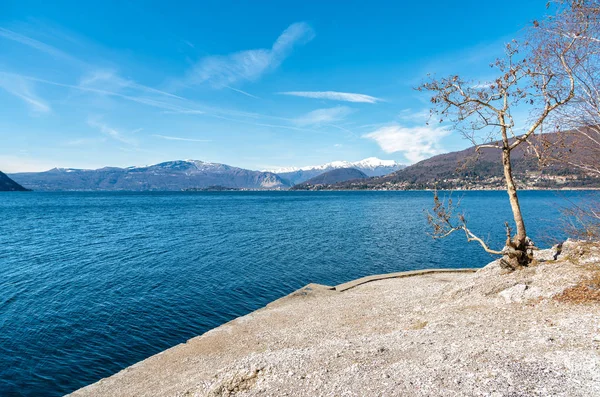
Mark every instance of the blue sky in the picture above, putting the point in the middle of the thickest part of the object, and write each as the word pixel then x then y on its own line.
pixel 255 84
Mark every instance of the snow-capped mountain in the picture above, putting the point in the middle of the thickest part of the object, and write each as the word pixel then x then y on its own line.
pixel 371 166
pixel 168 176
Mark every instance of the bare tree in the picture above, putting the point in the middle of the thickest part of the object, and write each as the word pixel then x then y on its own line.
pixel 578 124
pixel 539 74
pixel 582 220
pixel 579 121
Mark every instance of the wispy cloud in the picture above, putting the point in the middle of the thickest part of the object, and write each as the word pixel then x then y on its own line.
pixel 335 96
pixel 242 92
pixel 162 100
pixel 183 112
pixel 36 44
pixel 324 116
pixel 24 90
pixel 339 127
pixel 176 138
pixel 110 81
pixel 223 70
pixel 474 58
pixel 168 103
pixel 415 144
pixel 99 81
pixel 481 85
pixel 415 116
pixel 111 132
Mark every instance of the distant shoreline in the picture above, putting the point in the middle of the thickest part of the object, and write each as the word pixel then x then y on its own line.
pixel 444 190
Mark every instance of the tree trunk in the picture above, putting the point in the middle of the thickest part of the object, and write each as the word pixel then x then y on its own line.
pixel 517 248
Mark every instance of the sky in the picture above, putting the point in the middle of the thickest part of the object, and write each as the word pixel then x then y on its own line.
pixel 254 84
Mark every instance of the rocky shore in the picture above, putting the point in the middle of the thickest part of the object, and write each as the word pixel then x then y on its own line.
pixel 532 332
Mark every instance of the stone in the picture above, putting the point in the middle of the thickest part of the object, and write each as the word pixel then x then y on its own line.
pixel 516 293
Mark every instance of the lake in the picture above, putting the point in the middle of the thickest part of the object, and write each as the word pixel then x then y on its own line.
pixel 94 282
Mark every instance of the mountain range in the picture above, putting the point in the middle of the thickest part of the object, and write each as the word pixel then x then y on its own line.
pixel 455 170
pixel 168 176
pixel 467 169
pixel 8 185
pixel 371 166
pixel 185 175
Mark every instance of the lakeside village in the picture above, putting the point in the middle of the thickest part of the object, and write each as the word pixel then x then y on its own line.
pixel 530 180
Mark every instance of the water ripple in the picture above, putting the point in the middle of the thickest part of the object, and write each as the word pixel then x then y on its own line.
pixel 94 282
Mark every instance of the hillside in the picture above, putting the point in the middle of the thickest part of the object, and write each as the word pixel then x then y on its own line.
pixel 168 176
pixel 331 177
pixel 467 170
pixel 8 185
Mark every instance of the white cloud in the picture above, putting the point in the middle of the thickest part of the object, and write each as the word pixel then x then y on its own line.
pixel 335 96
pixel 38 45
pixel 324 116
pixel 176 138
pixel 249 65
pixel 23 89
pixel 416 144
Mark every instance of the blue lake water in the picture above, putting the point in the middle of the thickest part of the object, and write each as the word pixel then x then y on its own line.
pixel 93 282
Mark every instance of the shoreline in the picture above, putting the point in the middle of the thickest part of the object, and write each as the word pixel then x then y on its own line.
pixel 431 332
pixel 310 289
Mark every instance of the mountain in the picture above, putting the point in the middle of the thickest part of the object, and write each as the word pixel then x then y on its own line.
pixel 168 176
pixel 331 177
pixel 467 170
pixel 8 185
pixel 371 166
